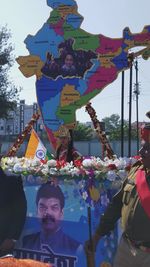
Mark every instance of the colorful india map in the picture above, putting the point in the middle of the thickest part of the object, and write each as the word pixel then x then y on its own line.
pixel 71 65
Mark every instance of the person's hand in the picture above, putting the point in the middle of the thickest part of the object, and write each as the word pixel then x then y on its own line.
pixel 7 245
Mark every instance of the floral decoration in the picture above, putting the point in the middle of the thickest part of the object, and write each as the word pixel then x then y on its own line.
pixel 89 167
pixel 92 176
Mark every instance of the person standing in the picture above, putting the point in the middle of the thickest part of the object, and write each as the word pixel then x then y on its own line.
pixel 132 205
pixel 65 150
pixel 13 208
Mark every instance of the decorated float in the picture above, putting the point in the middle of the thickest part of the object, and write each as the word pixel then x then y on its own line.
pixel 71 67
pixel 87 184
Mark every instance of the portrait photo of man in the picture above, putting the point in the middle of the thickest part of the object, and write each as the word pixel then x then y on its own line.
pixel 50 203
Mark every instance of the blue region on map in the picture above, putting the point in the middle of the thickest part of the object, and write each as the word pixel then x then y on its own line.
pixel 49 108
pixel 48 93
pixel 121 61
pixel 82 86
pixel 83 83
pixel 55 4
pixel 147 28
pixel 93 69
pixel 127 35
pixel 74 20
pixel 124 45
pixel 46 40
pixel 47 88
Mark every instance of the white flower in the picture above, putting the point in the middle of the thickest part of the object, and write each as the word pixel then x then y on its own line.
pixel 35 162
pixel 51 163
pixel 75 172
pixel 99 164
pixel 87 163
pixel 120 163
pixel 45 170
pixel 53 171
pixel 11 161
pixel 17 168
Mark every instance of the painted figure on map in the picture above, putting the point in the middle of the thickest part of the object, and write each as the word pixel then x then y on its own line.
pixel 69 63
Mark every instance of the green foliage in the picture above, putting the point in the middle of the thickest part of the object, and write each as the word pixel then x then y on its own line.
pixel 113 128
pixel 8 91
pixel 82 132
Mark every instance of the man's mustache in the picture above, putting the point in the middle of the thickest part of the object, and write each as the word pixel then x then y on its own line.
pixel 48 218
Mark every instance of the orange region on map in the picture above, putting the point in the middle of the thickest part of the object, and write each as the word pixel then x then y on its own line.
pixel 106 59
pixel 69 95
pixel 30 65
pixel 65 10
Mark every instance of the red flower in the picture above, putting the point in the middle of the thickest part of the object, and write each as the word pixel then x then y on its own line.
pixel 112 167
pixel 44 161
pixel 137 157
pixel 60 164
pixel 77 163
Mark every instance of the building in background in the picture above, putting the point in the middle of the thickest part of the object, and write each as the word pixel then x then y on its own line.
pixel 19 118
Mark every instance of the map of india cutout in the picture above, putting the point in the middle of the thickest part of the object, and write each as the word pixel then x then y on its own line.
pixel 72 66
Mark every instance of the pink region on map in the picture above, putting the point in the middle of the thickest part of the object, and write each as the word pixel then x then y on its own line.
pixel 51 137
pixel 142 37
pixel 58 27
pixel 108 45
pixel 101 78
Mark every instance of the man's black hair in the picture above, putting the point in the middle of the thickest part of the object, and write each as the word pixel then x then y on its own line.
pixel 49 190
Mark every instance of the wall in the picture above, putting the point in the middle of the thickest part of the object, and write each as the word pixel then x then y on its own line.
pixel 85 148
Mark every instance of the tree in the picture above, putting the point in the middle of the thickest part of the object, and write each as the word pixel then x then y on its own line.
pixel 8 91
pixel 82 132
pixel 113 128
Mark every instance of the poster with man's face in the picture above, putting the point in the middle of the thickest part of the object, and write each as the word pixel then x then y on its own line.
pixel 57 226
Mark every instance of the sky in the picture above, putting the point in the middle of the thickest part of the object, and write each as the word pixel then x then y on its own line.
pixel 100 16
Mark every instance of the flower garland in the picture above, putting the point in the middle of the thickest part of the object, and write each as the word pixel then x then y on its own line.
pixel 89 167
pixel 91 177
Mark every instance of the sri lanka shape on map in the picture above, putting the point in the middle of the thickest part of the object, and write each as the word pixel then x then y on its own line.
pixel 71 65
